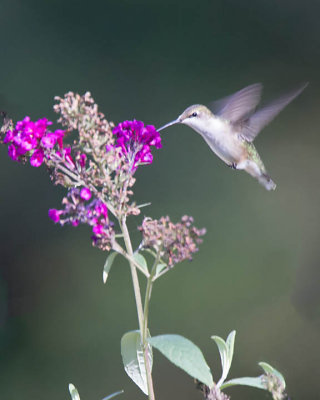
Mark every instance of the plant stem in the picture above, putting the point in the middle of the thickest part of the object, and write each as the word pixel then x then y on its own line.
pixel 137 294
pixel 148 295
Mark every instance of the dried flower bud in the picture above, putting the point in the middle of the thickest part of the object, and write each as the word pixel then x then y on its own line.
pixel 175 242
pixel 274 385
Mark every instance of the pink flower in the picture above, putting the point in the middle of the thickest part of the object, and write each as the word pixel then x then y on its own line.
pixel 37 158
pixel 85 194
pixel 67 155
pixel 49 140
pixel 12 152
pixel 9 136
pixel 82 160
pixel 54 214
pixel 97 229
pixel 28 135
pixel 135 140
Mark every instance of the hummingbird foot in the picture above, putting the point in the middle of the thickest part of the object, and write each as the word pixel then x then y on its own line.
pixel 232 165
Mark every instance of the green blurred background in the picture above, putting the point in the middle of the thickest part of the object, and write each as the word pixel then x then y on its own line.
pixel 258 268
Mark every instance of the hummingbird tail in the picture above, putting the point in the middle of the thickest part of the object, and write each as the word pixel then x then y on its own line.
pixel 267 182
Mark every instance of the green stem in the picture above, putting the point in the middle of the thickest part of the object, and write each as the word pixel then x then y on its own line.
pixel 148 295
pixel 146 307
pixel 137 294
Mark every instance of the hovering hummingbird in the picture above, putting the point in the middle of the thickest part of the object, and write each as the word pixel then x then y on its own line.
pixel 231 124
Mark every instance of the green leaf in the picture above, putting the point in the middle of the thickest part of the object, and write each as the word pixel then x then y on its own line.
pixel 226 354
pixel 184 354
pixel 159 269
pixel 246 381
pixel 230 344
pixel 73 392
pixel 269 369
pixel 108 265
pixel 113 395
pixel 141 261
pixel 133 360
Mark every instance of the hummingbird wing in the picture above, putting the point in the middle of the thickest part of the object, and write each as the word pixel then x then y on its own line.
pixel 238 105
pixel 257 121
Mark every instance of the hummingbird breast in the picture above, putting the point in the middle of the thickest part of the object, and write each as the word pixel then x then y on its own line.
pixel 222 140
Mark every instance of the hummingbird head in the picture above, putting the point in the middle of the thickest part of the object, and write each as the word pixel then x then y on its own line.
pixel 193 116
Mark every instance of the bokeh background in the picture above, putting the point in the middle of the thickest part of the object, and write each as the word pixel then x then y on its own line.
pixel 258 268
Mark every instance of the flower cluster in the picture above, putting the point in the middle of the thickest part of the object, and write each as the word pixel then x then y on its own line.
pixel 135 139
pixel 175 242
pixel 80 209
pixel 274 385
pixel 32 139
pixel 102 160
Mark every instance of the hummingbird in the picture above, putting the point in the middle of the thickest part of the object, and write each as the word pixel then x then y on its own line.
pixel 230 125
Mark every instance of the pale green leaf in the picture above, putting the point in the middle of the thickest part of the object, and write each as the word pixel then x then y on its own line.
pixel 269 369
pixel 108 265
pixel 223 351
pixel 159 269
pixel 113 395
pixel 226 354
pixel 230 344
pixel 73 392
pixel 141 261
pixel 133 360
pixel 246 381
pixel 184 354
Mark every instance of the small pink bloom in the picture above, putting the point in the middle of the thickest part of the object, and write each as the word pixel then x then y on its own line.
pixel 97 229
pixel 12 152
pixel 59 134
pixel 9 136
pixel 37 158
pixel 68 158
pixel 28 143
pixel 82 160
pixel 49 140
pixel 101 209
pixel 54 214
pixel 85 194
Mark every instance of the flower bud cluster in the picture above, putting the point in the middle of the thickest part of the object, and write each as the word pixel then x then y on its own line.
pixel 274 385
pixel 135 140
pixel 79 208
pixel 33 140
pixel 98 167
pixel 174 242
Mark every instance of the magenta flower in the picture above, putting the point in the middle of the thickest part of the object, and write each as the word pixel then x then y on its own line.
pixel 85 194
pixel 95 214
pixel 37 158
pixel 32 139
pixel 12 152
pixel 82 160
pixel 135 141
pixel 54 214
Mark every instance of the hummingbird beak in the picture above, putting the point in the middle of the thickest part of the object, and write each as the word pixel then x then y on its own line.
pixel 176 121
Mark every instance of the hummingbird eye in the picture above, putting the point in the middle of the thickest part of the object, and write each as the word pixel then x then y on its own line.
pixel 194 114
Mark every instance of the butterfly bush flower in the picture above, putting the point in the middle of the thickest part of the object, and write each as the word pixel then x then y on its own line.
pixel 174 242
pixel 135 141
pixel 33 140
pixel 78 209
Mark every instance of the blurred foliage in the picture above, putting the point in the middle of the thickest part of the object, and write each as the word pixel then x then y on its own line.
pixel 258 268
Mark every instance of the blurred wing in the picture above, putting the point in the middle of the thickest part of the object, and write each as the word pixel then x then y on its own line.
pixel 239 104
pixel 256 122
